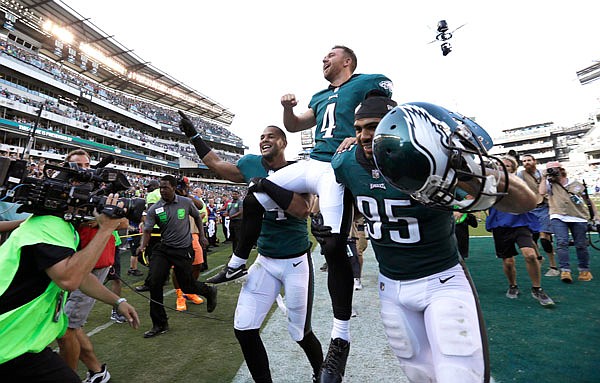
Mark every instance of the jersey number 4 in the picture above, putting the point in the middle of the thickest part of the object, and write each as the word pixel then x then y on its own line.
pixel 328 121
pixel 369 208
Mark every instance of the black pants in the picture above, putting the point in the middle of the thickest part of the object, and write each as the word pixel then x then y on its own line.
pixel 235 228
pixel 154 241
pixel 163 257
pixel 44 366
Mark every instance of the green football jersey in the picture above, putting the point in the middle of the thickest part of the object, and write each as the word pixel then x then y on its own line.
pixel 281 235
pixel 334 111
pixel 409 240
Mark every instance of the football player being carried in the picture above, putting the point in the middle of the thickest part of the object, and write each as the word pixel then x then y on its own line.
pixel 402 175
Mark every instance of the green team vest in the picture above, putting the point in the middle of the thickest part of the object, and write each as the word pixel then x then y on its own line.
pixel 281 235
pixel 31 327
pixel 205 211
pixel 409 240
pixel 334 111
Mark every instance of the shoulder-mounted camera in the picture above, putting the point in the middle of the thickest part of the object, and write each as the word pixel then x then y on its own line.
pixel 68 191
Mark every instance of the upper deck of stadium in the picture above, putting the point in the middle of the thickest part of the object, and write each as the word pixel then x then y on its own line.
pixel 85 79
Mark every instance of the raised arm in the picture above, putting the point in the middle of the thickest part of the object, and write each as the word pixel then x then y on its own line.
pixel 518 199
pixel 224 169
pixel 291 121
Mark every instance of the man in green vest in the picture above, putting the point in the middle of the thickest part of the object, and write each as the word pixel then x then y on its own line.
pixel 39 263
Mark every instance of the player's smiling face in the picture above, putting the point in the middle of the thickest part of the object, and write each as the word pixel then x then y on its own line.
pixel 333 63
pixel 271 143
pixel 365 130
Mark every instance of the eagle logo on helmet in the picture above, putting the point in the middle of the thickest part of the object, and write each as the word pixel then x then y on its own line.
pixel 422 150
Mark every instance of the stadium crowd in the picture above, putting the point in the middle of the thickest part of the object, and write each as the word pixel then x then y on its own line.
pixel 112 129
pixel 154 112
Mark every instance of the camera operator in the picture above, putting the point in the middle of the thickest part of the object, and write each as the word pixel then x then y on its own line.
pixel 38 262
pixel 568 211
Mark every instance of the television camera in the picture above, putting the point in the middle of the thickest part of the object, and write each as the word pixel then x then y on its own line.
pixel 68 191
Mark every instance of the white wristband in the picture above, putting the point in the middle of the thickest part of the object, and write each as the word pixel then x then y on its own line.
pixel 118 302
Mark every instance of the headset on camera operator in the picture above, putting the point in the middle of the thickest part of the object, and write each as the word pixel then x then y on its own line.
pixel 568 212
pixel 39 263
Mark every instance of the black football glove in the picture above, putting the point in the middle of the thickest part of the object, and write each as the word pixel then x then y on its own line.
pixel 186 125
pixel 256 185
pixel 318 229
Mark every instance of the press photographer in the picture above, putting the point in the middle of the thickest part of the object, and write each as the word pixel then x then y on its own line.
pixel 568 211
pixel 39 263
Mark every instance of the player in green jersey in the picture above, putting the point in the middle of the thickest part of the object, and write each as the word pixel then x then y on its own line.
pixel 331 110
pixel 283 261
pixel 428 307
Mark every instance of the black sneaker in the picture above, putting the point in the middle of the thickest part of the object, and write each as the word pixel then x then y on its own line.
pixel 134 272
pixel 156 330
pixel 334 365
pixel 228 274
pixel 512 292
pixel 542 297
pixel 142 288
pixel 97 377
pixel 116 317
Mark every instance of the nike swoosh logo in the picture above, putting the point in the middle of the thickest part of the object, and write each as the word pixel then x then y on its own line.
pixel 296 264
pixel 229 275
pixel 447 279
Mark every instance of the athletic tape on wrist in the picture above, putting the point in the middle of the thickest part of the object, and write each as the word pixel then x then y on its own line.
pixel 201 148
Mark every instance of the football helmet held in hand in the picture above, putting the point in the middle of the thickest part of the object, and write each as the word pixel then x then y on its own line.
pixel 424 150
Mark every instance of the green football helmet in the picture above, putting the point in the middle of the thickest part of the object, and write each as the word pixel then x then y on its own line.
pixel 424 150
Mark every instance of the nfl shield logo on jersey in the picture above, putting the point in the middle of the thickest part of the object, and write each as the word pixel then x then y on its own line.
pixel 381 286
pixel 375 173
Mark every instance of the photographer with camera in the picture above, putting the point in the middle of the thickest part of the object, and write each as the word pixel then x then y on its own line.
pixel 39 262
pixel 75 345
pixel 568 211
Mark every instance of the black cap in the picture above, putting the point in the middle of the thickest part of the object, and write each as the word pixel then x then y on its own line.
pixel 374 107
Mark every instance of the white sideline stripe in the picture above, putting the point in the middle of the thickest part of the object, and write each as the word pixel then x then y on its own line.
pixel 100 328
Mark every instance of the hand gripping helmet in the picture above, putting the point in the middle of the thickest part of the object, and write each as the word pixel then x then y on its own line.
pixel 424 150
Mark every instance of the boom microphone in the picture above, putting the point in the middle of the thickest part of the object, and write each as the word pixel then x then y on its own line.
pixel 105 161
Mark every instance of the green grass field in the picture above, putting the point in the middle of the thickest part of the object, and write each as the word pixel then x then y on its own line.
pixel 528 343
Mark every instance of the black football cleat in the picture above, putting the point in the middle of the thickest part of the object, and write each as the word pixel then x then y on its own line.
pixel 228 274
pixel 334 365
